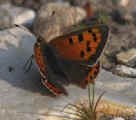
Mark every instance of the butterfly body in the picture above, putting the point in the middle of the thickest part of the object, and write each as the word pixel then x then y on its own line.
pixel 73 56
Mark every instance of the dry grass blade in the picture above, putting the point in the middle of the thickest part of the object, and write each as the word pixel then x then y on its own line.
pixel 78 111
pixel 98 100
pixel 93 98
pixel 77 114
pixel 71 105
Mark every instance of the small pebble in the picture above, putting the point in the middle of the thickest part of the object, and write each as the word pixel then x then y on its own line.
pixel 124 71
pixel 128 58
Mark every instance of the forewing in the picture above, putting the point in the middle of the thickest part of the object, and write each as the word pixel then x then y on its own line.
pixel 84 45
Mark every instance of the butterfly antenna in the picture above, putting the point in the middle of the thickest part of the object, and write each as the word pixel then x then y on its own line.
pixel 28 64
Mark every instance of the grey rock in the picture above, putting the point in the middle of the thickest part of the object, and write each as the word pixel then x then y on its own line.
pixel 129 5
pixel 77 2
pixel 128 57
pixel 119 40
pixel 24 16
pixel 133 117
pixel 125 71
pixel 5 17
pixel 33 4
pixel 124 3
pixel 4 1
pixel 11 15
pixel 107 63
pixel 54 18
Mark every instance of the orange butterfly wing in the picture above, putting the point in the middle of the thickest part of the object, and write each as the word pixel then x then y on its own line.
pixel 39 59
pixel 84 45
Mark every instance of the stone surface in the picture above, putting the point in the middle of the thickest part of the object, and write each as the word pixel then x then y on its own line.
pixel 54 18
pixel 77 2
pixel 33 4
pixel 124 3
pixel 125 71
pixel 107 63
pixel 26 17
pixel 27 3
pixel 10 15
pixel 119 40
pixel 4 1
pixel 128 57
pixel 5 17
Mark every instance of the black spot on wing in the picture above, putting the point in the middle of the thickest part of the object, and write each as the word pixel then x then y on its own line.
pixel 93 34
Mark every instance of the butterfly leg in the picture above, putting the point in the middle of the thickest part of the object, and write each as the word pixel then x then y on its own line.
pixel 92 74
pixel 28 64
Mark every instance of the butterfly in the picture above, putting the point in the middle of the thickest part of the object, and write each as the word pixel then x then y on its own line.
pixel 77 51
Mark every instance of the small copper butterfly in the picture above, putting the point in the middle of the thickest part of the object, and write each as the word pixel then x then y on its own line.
pixel 79 50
